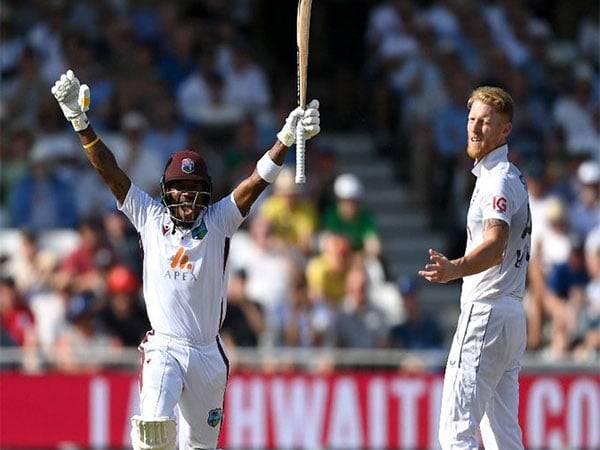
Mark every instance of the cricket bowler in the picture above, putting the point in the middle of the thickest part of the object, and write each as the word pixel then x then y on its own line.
pixel 481 386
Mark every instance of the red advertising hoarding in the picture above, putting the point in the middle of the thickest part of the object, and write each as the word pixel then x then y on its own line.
pixel 340 410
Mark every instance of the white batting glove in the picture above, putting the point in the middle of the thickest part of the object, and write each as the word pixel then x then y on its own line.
pixel 73 98
pixel 309 119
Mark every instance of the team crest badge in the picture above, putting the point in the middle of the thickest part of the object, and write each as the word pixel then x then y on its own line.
pixel 187 165
pixel 200 231
pixel 214 417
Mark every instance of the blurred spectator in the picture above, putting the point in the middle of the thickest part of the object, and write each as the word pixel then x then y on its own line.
pixel 40 199
pixel 81 347
pixel 15 147
pixel 244 322
pixel 123 240
pixel 93 197
pixel 165 135
pixel 589 339
pixel 538 203
pixel 123 316
pixel 555 245
pixel 574 113
pixel 177 61
pixel 326 273
pixel 141 163
pixel 359 324
pixel 589 36
pixel 201 98
pixel 31 267
pixel 82 269
pixel 245 82
pixel 241 155
pixel 17 324
pixel 12 43
pixel 21 95
pixel 294 219
pixel 592 252
pixel 537 185
pixel 16 318
pixel 528 134
pixel 49 309
pixel 416 332
pixel 503 18
pixel 551 246
pixel 46 37
pixel 303 321
pixel 349 218
pixel 566 299
pixel 262 254
pixel 450 144
pixel 585 213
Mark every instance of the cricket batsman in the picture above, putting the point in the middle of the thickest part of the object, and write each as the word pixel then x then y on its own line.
pixel 186 243
pixel 481 386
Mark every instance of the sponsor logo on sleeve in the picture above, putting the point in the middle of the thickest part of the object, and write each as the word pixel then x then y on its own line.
pixel 499 204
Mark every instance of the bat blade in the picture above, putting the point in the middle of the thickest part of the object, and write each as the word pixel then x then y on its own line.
pixel 302 34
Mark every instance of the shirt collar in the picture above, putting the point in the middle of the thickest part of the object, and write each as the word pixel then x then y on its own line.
pixel 499 154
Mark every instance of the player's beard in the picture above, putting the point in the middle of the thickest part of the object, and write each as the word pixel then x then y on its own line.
pixel 478 149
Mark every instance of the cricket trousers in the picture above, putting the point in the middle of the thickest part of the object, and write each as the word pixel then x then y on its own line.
pixel 481 384
pixel 177 372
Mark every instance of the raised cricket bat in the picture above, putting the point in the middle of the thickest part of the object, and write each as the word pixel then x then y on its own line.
pixel 302 32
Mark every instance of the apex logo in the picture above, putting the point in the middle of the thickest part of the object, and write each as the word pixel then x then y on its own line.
pixel 182 268
pixel 181 259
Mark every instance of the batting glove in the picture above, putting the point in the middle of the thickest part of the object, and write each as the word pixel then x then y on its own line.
pixel 73 98
pixel 309 119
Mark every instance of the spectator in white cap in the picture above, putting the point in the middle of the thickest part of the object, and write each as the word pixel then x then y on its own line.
pixel 585 213
pixel 294 218
pixel 349 218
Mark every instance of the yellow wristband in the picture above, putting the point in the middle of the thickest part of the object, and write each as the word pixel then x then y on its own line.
pixel 91 144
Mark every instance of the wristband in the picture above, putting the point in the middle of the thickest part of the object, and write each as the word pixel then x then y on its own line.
pixel 80 122
pixel 267 169
pixel 91 144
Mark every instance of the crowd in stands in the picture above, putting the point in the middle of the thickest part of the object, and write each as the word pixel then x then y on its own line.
pixel 306 268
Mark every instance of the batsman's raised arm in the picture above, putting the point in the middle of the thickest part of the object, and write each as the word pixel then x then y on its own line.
pixel 268 167
pixel 74 100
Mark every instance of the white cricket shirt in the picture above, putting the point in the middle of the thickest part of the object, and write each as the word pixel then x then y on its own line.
pixel 500 193
pixel 185 273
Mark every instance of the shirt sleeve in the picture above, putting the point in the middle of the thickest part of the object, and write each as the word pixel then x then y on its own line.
pixel 138 206
pixel 225 215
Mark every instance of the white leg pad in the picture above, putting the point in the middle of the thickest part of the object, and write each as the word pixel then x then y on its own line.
pixel 153 434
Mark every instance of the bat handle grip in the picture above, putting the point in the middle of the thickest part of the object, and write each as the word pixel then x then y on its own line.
pixel 300 152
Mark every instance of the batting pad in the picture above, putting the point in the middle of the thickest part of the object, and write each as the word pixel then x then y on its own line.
pixel 154 434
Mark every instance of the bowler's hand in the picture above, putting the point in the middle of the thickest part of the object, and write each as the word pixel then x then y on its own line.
pixel 440 270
